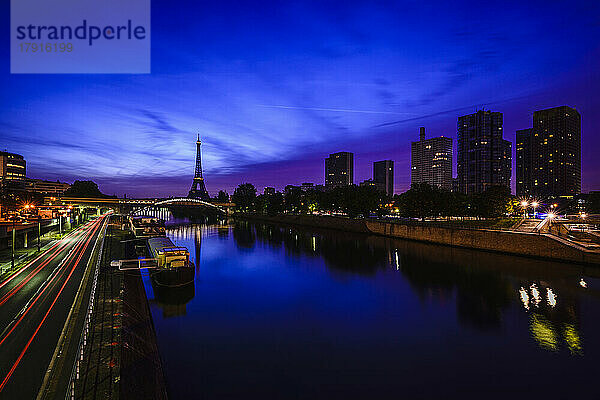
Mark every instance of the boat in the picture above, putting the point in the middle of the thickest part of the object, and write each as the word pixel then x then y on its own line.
pixel 146 226
pixel 173 266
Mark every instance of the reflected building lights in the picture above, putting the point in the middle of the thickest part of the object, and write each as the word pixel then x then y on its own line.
pixel 534 297
pixel 535 293
pixel 552 326
pixel 548 329
pixel 550 298
pixel 572 339
pixel 543 332
pixel 524 297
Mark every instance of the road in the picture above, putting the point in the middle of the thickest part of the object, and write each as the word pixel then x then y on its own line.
pixel 34 304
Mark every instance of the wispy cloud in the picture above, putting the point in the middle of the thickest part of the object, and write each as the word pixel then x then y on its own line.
pixel 263 88
pixel 342 110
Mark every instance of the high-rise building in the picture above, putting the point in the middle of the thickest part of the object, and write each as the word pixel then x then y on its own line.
pixel 383 176
pixel 431 161
pixel 12 166
pixel 339 169
pixel 484 157
pixel 523 163
pixel 549 154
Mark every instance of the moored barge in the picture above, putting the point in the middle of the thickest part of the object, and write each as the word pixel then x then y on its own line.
pixel 173 267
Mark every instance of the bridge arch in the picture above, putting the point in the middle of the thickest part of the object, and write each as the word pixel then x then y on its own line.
pixel 184 201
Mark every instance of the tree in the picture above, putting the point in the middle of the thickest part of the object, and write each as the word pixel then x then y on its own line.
pixel 460 205
pixel 495 201
pixel 275 204
pixel 84 189
pixel 261 203
pixel 293 199
pixel 593 202
pixel 420 201
pixel 270 204
pixel 222 197
pixel 244 197
pixel 361 200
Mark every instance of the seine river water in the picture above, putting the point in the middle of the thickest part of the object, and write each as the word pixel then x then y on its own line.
pixel 289 313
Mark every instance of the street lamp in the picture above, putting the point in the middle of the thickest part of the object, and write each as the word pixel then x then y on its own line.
pixel 534 205
pixel 551 216
pixel 39 231
pixel 14 237
pixel 524 204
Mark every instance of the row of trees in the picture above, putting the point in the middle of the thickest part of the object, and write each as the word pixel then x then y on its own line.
pixel 85 189
pixel 352 200
pixel 421 201
pixel 424 200
pixel 593 202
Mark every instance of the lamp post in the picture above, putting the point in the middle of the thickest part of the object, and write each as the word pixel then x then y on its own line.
pixel 524 204
pixel 551 216
pixel 14 237
pixel 39 231
pixel 534 205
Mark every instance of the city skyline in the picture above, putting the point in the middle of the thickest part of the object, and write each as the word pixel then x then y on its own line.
pixel 549 154
pixel 363 82
pixel 299 199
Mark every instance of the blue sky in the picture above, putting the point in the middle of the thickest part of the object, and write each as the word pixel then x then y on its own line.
pixel 272 88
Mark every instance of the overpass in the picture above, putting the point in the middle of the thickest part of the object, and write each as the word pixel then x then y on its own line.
pixel 181 204
pixel 126 206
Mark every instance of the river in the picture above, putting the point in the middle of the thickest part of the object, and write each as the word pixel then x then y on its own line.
pixel 279 312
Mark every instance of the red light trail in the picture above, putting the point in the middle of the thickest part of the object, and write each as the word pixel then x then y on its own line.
pixel 61 243
pixel 33 273
pixel 71 262
pixel 49 285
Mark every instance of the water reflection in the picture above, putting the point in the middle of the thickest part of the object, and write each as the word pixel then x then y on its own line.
pixel 173 300
pixel 481 284
pixel 543 332
pixel 549 334
pixel 330 306
pixel 344 252
pixel 550 297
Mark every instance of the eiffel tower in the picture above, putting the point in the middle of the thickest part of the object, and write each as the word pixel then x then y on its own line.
pixel 198 190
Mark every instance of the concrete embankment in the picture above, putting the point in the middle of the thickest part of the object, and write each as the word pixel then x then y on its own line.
pixel 518 243
pixel 119 355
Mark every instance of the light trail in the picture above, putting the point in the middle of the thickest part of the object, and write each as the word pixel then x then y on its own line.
pixel 23 269
pixel 33 273
pixel 63 243
pixel 16 364
pixel 59 272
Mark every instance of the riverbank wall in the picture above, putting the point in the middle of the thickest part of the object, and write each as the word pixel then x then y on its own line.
pixel 508 242
pixel 119 355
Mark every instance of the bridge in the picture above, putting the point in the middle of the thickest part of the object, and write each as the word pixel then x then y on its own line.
pixel 137 206
pixel 180 204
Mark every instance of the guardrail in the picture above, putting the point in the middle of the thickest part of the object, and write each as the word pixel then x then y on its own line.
pixel 84 332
